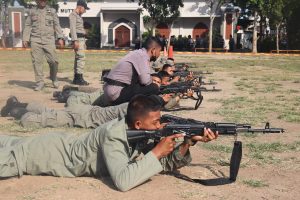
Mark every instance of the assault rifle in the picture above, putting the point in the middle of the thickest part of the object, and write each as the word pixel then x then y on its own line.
pixel 185 73
pixel 198 97
pixel 178 88
pixel 190 128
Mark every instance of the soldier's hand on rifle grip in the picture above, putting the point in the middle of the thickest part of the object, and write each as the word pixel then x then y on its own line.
pixel 165 146
pixel 207 136
pixel 75 45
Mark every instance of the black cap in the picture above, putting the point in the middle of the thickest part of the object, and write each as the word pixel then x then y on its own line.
pixel 83 4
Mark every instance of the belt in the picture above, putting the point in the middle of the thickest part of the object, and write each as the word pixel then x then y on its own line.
pixel 114 82
pixel 80 35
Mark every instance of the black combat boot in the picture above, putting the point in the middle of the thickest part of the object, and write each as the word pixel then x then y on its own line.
pixel 12 102
pixel 83 81
pixel 78 80
pixel 18 112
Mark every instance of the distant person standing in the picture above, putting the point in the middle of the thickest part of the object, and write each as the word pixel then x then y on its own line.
pixel 78 35
pixel 40 28
pixel 231 44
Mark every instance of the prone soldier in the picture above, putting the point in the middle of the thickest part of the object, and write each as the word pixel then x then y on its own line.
pixel 105 151
pixel 75 115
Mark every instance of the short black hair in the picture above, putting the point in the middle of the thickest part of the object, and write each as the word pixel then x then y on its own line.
pixel 163 74
pixel 156 75
pixel 152 42
pixel 165 66
pixel 140 106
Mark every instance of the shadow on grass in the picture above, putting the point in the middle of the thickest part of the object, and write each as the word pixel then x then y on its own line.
pixel 26 84
pixel 65 79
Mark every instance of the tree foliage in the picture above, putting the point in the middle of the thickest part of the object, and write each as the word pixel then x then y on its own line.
pixel 160 11
pixel 214 8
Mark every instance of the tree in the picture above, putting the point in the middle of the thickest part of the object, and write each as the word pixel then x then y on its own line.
pixel 161 11
pixel 292 16
pixel 275 12
pixel 256 6
pixel 214 8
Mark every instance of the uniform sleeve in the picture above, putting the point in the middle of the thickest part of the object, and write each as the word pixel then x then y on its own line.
pixel 145 75
pixel 72 21
pixel 175 160
pixel 27 28
pixel 124 173
pixel 57 28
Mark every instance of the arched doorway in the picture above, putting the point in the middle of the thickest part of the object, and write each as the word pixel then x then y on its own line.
pixel 228 26
pixel 122 36
pixel 200 29
pixel 163 30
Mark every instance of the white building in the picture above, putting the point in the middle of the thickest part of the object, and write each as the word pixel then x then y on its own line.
pixel 120 22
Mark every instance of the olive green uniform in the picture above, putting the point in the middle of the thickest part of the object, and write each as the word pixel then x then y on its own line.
pixel 41 26
pixel 77 34
pixel 105 151
pixel 77 115
pixel 85 98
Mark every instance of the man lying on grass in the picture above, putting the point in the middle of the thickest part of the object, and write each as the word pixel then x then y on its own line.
pixel 104 151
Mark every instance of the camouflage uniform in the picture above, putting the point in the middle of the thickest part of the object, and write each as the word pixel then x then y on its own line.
pixel 40 28
pixel 103 152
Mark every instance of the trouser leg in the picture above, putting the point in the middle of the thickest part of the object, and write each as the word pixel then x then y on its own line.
pixel 37 55
pixel 7 140
pixel 128 92
pixel 79 62
pixel 8 163
pixel 52 60
pixel 76 98
pixel 41 116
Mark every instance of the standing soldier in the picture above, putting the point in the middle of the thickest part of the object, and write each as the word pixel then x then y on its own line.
pixel 40 28
pixel 78 38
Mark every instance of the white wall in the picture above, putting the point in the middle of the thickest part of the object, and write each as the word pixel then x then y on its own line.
pixel 109 17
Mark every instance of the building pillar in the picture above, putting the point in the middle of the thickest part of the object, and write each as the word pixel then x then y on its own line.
pixel 101 29
pixel 141 29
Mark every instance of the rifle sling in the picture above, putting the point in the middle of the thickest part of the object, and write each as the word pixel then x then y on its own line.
pixel 235 161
